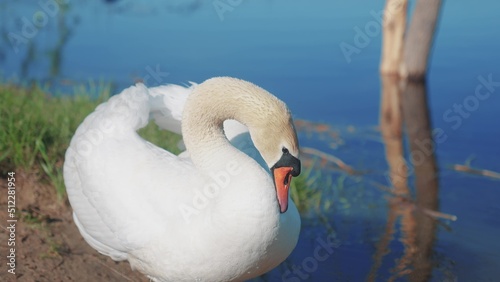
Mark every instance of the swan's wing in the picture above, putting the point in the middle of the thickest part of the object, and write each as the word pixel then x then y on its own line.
pixel 104 175
pixel 167 103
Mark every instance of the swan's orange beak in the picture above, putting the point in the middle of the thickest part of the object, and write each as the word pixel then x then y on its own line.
pixel 282 180
pixel 282 172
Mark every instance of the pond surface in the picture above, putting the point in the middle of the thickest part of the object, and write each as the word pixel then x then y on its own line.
pixel 361 230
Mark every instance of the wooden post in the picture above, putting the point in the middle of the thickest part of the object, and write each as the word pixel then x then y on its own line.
pixel 407 57
pixel 394 25
pixel 418 41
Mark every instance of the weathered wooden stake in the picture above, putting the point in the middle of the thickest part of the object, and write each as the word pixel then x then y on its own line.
pixel 394 25
pixel 418 41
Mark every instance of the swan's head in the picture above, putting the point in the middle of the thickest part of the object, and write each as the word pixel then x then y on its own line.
pixel 276 139
pixel 287 166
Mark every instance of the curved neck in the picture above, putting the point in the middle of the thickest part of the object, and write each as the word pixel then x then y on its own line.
pixel 210 104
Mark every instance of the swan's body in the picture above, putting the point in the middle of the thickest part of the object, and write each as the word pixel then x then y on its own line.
pixel 210 214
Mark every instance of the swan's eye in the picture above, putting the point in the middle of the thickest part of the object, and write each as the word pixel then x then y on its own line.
pixel 284 150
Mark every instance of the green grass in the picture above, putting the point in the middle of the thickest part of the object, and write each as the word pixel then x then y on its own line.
pixel 36 128
pixel 312 191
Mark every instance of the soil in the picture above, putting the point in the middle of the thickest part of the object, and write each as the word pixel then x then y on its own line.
pixel 48 246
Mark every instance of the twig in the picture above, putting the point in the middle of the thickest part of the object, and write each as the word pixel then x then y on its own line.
pixel 436 214
pixel 328 157
pixel 483 172
pixel 431 213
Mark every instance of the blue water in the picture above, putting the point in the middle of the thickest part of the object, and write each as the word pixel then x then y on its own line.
pixel 292 49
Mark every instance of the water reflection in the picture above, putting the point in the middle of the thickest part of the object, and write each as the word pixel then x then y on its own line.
pixel 417 121
pixel 37 57
pixel 404 104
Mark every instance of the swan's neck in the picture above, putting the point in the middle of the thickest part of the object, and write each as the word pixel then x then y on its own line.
pixel 205 141
pixel 210 104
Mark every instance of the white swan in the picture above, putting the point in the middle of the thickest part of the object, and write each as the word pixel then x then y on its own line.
pixel 210 214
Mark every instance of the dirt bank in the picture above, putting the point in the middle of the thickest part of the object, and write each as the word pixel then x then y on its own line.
pixel 48 246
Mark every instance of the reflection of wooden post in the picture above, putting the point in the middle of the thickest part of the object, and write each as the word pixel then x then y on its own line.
pixel 391 123
pixel 394 25
pixel 419 39
pixel 408 58
pixel 418 127
pixel 403 100
pixel 383 244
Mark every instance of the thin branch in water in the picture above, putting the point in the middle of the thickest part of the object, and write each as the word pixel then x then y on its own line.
pixel 406 199
pixel 321 129
pixel 482 172
pixel 329 158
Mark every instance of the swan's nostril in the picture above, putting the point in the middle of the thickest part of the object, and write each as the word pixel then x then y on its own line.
pixel 287 179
